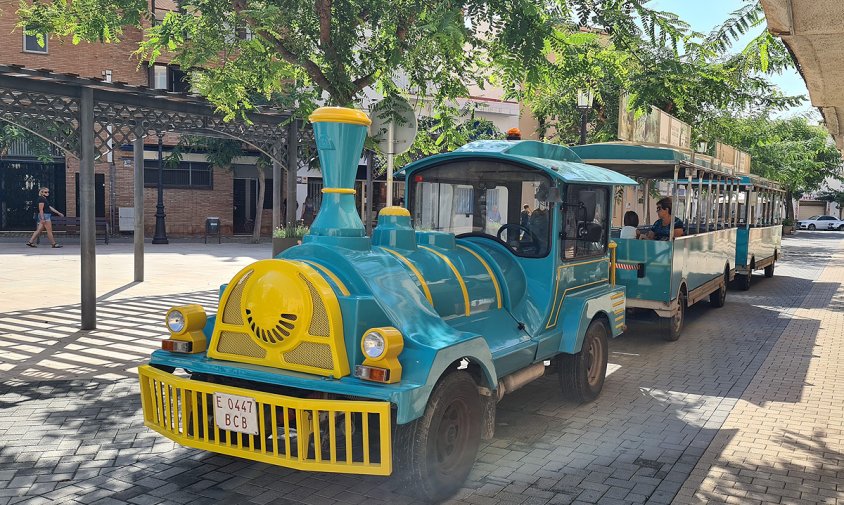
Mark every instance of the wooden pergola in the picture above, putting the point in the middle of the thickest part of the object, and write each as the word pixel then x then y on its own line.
pixel 87 118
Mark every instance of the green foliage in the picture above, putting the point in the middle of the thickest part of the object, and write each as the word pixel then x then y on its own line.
pixel 219 152
pixel 799 155
pixel 788 222
pixel 10 134
pixel 250 50
pixel 297 231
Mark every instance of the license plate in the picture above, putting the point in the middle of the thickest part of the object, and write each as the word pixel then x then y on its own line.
pixel 236 413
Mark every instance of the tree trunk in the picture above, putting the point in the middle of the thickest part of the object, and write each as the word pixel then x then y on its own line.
pixel 789 205
pixel 259 202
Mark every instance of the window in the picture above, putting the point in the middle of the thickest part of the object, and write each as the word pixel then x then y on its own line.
pixel 187 174
pixel 585 223
pixel 488 199
pixel 169 78
pixel 31 43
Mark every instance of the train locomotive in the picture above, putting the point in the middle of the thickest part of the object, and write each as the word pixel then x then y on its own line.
pixel 388 353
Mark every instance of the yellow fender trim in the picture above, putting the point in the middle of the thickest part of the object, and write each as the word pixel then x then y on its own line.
pixel 488 270
pixel 456 274
pixel 416 272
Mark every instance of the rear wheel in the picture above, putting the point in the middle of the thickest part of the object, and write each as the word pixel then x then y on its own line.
pixel 675 322
pixel 582 375
pixel 718 297
pixel 437 451
pixel 769 271
pixel 743 280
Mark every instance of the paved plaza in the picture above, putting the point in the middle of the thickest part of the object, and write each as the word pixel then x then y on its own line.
pixel 747 407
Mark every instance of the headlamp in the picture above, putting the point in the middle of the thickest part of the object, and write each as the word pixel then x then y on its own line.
pixel 175 321
pixel 373 345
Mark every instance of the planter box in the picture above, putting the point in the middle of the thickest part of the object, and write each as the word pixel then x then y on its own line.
pixel 281 244
pixel 787 230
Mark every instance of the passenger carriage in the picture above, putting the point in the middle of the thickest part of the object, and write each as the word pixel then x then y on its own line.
pixel 759 234
pixel 669 276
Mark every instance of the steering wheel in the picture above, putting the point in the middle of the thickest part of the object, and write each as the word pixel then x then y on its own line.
pixel 534 240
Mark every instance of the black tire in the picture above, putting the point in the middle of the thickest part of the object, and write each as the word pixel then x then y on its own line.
pixel 675 323
pixel 812 227
pixel 744 280
pixel 769 271
pixel 718 297
pixel 841 228
pixel 436 452
pixel 582 375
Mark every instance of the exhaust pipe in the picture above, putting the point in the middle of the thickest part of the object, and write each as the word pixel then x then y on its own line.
pixel 516 380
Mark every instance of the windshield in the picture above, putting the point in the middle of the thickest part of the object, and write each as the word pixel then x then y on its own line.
pixel 490 198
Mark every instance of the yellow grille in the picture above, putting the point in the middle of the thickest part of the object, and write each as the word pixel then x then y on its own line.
pixel 307 434
pixel 232 314
pixel 319 320
pixel 241 344
pixel 310 354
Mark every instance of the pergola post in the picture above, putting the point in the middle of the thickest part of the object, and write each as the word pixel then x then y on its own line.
pixel 277 185
pixel 138 153
pixel 292 167
pixel 87 223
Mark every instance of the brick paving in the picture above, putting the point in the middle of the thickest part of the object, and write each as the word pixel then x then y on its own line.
pixel 749 398
pixel 783 442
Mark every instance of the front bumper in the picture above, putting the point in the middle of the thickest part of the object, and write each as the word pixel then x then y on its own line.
pixel 342 436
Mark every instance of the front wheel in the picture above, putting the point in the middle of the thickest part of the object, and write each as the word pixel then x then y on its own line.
pixel 812 227
pixel 743 280
pixel 437 451
pixel 582 375
pixel 841 228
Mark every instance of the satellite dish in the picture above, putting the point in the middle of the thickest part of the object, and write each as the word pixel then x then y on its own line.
pixel 393 128
pixel 393 113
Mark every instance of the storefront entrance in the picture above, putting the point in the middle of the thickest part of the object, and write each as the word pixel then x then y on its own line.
pixel 19 183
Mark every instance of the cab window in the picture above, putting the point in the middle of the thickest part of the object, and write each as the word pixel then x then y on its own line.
pixel 489 198
pixel 585 222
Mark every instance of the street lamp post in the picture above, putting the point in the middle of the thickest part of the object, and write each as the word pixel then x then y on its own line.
pixel 584 103
pixel 160 236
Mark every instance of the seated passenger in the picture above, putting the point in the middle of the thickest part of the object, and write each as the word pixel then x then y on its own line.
pixel 661 229
pixel 631 221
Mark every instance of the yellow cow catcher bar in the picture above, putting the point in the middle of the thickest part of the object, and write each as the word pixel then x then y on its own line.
pixel 301 433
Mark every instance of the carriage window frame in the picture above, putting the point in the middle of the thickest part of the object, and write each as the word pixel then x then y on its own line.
pixel 567 209
pixel 538 177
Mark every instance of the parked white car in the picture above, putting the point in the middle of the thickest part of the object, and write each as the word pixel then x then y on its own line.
pixel 821 223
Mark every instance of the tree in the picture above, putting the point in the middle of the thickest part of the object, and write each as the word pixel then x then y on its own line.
pixel 791 151
pixel 694 82
pixel 9 134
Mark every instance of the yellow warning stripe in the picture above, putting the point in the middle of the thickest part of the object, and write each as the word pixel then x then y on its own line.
pixel 328 273
pixel 415 271
pixel 488 270
pixel 456 274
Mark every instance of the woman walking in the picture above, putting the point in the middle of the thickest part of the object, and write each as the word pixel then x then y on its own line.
pixel 44 214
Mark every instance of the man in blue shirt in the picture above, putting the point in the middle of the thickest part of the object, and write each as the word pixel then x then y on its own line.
pixel 661 229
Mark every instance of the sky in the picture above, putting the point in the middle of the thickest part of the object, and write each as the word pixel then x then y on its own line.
pixel 703 16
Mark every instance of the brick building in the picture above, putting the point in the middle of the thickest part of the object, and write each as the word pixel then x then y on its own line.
pixel 193 191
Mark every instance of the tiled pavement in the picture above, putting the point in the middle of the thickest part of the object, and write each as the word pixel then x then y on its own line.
pixel 749 398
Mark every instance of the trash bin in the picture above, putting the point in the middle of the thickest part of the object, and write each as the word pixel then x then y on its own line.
pixel 212 227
